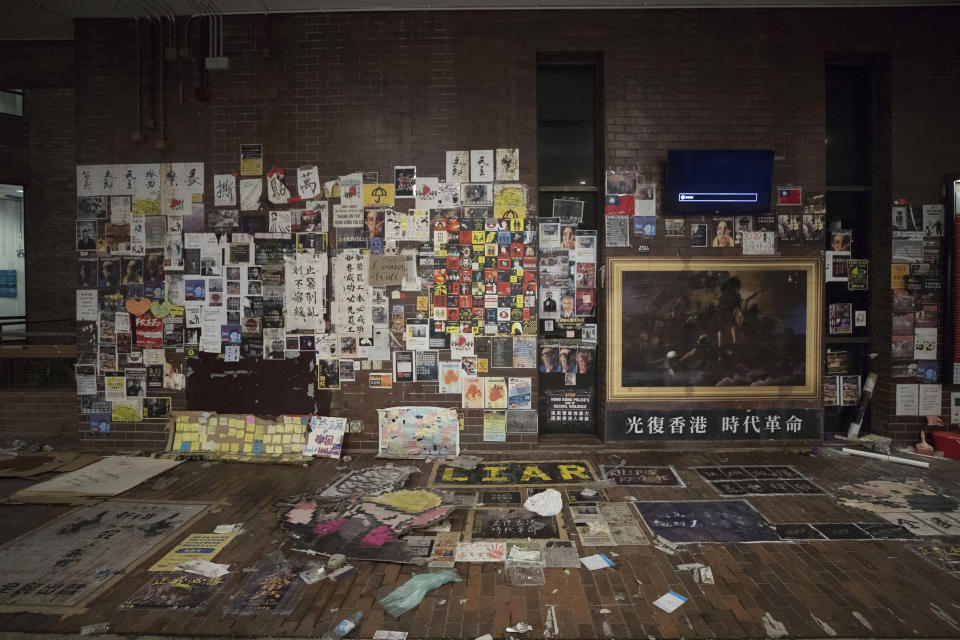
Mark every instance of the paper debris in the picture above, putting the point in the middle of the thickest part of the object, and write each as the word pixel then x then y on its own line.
pixel 669 601
pixel 339 572
pixel 596 561
pixel 91 629
pixel 520 627
pixel 464 462
pixel 381 634
pixel 545 503
pixel 205 568
pixel 706 575
pixel 229 528
pixel 313 573
pixel 690 566
pixel 485 636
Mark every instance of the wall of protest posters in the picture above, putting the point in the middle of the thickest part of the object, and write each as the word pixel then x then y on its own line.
pixel 287 145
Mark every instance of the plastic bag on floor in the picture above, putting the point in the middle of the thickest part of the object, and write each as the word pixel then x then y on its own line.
pixel 524 565
pixel 410 593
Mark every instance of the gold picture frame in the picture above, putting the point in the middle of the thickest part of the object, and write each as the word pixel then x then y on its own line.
pixel 703 328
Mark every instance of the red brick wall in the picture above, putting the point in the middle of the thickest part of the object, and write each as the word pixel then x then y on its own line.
pixel 369 90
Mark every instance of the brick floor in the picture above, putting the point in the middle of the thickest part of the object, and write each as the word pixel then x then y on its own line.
pixel 892 590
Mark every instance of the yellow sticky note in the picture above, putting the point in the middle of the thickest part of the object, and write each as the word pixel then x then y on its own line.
pixel 248 438
pixel 234 447
pixel 287 438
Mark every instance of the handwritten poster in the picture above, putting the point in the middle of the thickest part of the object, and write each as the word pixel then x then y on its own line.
pixel 304 291
pixel 308 182
pixel 326 437
pixel 224 190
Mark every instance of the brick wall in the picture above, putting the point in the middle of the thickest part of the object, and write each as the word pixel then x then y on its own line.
pixel 369 90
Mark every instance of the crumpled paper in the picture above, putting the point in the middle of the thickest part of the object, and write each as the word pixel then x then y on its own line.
pixel 545 503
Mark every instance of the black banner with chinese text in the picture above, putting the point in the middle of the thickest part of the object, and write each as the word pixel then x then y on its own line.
pixel 714 424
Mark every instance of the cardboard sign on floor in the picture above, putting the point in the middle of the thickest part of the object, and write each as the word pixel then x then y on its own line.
pixel 65 563
pixel 107 477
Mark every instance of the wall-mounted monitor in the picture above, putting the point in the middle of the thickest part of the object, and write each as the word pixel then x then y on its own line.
pixel 703 181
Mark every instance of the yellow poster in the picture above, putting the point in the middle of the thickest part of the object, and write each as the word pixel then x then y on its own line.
pixel 898 275
pixel 196 546
pixel 251 160
pixel 378 195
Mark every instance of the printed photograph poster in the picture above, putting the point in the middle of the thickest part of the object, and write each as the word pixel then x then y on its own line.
pixel 837 265
pixel 450 376
pixel 494 426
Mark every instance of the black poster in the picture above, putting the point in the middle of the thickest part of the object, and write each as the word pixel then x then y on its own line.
pixel 713 424
pixel 567 409
pixel 502 353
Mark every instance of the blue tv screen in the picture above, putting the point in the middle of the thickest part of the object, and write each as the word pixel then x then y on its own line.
pixel 717 181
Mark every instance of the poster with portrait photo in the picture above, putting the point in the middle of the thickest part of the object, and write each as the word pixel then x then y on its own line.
pixel 328 374
pixel 477 194
pixel 621 182
pixel 721 236
pixel 586 300
pixel 87 274
pixel 86 235
pixel 698 234
pixel 92 207
pixel 405 181
pixel 841 240
pixel 813 227
pixel 741 224
pixel 841 318
pixel 646 200
pixel 132 269
pixel 549 358
pixel 550 303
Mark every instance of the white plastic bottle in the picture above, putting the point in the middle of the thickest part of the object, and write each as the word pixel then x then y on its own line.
pixel 344 627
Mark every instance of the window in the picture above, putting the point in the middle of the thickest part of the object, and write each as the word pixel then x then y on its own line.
pixel 13 306
pixel 11 102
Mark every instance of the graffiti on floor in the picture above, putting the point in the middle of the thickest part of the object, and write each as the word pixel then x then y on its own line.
pixel 705 521
pixel 67 561
pixel 757 480
pixel 515 473
pixel 176 590
pixel 273 586
pixel 632 476
pixel 507 524
pixel 911 495
pixel 941 554
pixel 368 481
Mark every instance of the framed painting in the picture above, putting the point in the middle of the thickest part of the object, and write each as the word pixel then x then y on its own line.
pixel 714 328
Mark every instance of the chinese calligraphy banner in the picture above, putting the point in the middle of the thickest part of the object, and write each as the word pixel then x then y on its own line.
pixel 713 424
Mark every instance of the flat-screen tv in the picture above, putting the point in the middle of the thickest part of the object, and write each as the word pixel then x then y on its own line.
pixel 703 181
